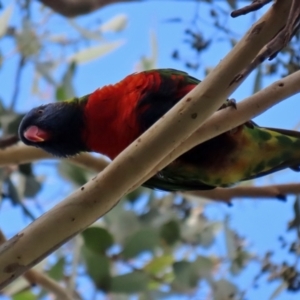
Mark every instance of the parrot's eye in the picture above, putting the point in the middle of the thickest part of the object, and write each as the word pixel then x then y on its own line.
pixel 40 111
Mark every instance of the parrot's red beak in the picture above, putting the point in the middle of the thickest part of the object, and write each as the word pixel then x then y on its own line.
pixel 35 134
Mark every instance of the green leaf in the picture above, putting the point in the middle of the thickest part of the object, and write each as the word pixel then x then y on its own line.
pixel 98 268
pixel 66 90
pixel 27 295
pixel 10 123
pixel 185 276
pixel 135 195
pixel 224 290
pixel 89 54
pixel 159 264
pixel 4 19
pixel 87 34
pixel 57 270
pixel 76 174
pixel 170 232
pixel 26 169
pixel 32 186
pixel 130 283
pixel 45 69
pixel 230 240
pixel 143 240
pixel 97 239
pixel 258 80
pixel 115 24
pixel 282 286
pixel 27 40
pixel 121 223
pixel 150 62
pixel 207 235
pixel 204 266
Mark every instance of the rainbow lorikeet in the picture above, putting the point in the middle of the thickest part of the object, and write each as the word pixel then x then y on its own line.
pixel 109 119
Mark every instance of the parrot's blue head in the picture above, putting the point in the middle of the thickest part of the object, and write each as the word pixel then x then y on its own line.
pixel 55 127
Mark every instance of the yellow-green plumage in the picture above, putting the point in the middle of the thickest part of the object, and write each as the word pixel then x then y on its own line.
pixel 255 151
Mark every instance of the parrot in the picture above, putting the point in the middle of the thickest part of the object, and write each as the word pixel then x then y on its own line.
pixel 112 117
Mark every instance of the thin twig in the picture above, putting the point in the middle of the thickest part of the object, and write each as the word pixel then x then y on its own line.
pixel 255 5
pixel 278 42
pixel 9 141
pixel 17 83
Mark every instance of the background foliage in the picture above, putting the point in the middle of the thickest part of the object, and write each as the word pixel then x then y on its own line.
pixel 153 245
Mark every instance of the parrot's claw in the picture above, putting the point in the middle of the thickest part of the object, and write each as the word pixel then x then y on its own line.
pixel 232 103
pixel 229 103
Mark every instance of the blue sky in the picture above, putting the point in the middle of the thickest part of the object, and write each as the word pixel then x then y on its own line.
pixel 261 221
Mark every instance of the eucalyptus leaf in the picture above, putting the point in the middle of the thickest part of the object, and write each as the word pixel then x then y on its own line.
pixel 75 174
pixel 170 232
pixel 150 62
pixel 281 287
pixel 159 264
pixel 95 52
pixel 130 283
pixel 45 69
pixel 115 24
pixel 144 240
pixel 4 19
pixel 230 240
pixel 32 186
pixel 57 270
pixel 224 290
pixel 186 277
pixel 27 40
pixel 26 295
pixel 86 33
pixel 122 223
pixel 66 89
pixel 98 268
pixel 97 239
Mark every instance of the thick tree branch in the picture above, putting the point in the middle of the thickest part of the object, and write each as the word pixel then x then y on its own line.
pixel 74 8
pixel 34 277
pixel 101 194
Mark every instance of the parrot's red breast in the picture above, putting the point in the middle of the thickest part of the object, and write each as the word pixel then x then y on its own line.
pixel 112 112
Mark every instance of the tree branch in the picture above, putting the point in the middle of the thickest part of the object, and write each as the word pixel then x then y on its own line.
pixel 278 191
pixel 74 8
pixel 21 154
pixel 34 277
pixel 102 193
